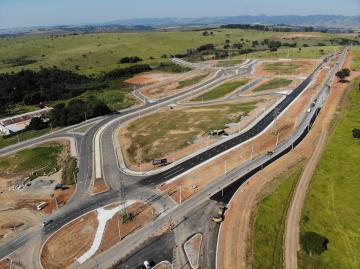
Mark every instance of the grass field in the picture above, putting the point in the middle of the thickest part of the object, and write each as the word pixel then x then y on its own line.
pixel 282 68
pixel 268 231
pixel 221 90
pixel 94 53
pixel 161 133
pixel 332 205
pixel 227 63
pixel 273 84
pixel 191 81
pixel 293 53
pixel 41 159
pixel 4 142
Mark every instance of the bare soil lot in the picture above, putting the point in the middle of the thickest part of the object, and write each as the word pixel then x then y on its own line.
pixel 73 240
pixel 177 84
pixel 150 78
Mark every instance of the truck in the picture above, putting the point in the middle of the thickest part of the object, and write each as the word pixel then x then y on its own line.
pixel 160 162
pixel 41 205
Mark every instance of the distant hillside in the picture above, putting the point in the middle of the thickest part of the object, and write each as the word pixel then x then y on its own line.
pixel 319 21
pixel 331 23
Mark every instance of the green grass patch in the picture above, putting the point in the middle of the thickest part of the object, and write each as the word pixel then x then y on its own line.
pixel 293 53
pixel 165 132
pixel 191 81
pixel 332 205
pixel 5 142
pixel 228 63
pixel 221 90
pixel 281 68
pixel 269 223
pixel 70 172
pixel 40 160
pixel 273 84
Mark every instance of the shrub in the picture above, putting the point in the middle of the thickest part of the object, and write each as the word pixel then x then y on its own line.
pixel 133 59
pixel 356 133
pixel 314 243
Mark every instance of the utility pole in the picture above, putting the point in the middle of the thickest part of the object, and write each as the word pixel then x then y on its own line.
pixel 252 152
pixel 140 159
pixel 180 193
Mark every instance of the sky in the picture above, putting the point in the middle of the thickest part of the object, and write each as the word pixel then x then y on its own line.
pixel 21 13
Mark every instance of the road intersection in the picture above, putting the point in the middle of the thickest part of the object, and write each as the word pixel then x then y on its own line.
pixel 103 162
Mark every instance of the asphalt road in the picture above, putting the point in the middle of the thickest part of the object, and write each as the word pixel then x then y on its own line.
pixel 229 183
pixel 82 204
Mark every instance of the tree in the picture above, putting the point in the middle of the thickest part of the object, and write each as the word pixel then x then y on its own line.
pixel 76 111
pixel 58 115
pixel 37 124
pixel 342 74
pixel 95 108
pixel 356 133
pixel 314 243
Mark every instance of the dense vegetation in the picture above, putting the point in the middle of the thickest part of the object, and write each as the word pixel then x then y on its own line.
pixel 76 111
pixel 51 84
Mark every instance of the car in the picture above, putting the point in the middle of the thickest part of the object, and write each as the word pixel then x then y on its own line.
pixel 47 222
pixel 217 218
pixel 147 265
pixel 58 186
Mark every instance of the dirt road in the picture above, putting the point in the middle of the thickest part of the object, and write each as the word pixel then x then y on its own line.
pixel 291 241
pixel 292 222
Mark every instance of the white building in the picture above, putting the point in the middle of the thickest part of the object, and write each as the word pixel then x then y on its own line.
pixel 20 122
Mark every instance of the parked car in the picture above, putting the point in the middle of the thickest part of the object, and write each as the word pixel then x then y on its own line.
pixel 47 222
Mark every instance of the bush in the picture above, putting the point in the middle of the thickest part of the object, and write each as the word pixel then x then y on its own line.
pixel 314 243
pixel 356 133
pixel 133 59
pixel 124 72
pixel 126 216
